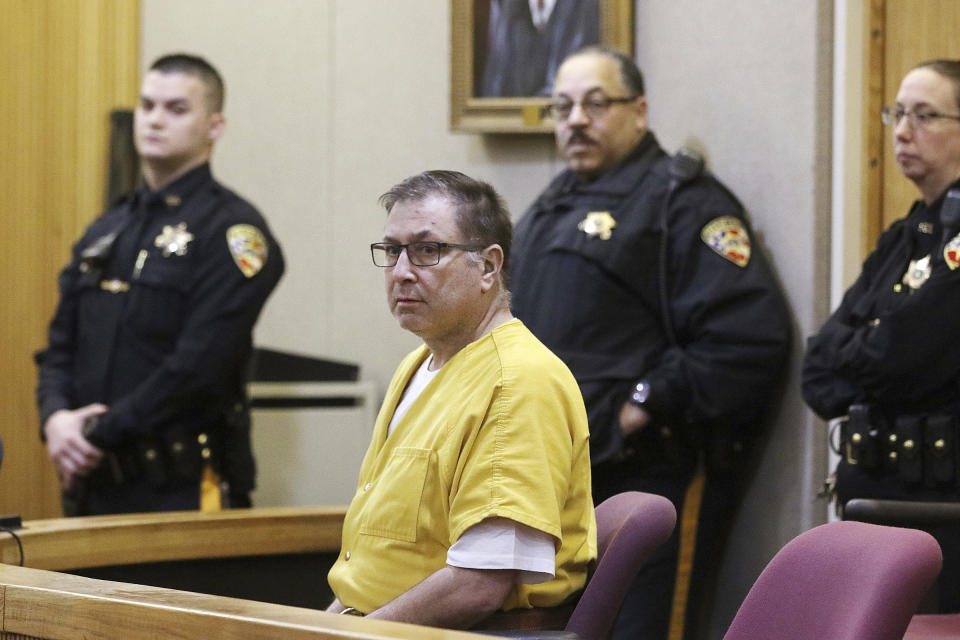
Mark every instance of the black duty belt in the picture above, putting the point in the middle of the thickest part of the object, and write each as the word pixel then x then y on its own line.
pixel 922 449
pixel 162 463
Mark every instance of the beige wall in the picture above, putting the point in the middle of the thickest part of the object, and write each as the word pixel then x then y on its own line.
pixel 750 84
pixel 332 101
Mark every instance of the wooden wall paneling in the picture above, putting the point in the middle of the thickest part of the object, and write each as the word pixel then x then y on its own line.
pixel 63 65
pixel 873 129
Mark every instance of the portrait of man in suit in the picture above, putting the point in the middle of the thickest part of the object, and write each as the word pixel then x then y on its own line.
pixel 526 40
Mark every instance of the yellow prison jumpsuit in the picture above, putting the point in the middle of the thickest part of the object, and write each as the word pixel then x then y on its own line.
pixel 500 431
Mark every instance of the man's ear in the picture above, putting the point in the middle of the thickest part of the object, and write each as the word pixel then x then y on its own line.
pixel 492 258
pixel 217 125
pixel 640 107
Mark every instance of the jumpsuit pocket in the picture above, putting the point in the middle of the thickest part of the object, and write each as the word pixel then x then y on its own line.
pixel 392 508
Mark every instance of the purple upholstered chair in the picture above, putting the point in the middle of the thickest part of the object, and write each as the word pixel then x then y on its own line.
pixel 630 527
pixel 925 626
pixel 842 581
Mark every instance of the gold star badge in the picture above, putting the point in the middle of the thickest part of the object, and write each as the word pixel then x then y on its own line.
pixel 598 224
pixel 174 240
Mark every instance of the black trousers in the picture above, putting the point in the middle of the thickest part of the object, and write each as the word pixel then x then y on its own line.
pixel 139 497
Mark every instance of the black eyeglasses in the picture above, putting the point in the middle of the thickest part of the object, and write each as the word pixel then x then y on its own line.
pixel 593 106
pixel 420 254
pixel 892 116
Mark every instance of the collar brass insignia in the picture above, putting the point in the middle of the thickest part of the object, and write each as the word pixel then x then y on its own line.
pixel 917 273
pixel 598 224
pixel 174 240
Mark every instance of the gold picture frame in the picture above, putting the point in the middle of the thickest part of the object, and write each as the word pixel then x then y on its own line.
pixel 470 113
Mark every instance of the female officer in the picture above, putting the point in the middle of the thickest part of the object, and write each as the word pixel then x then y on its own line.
pixel 889 356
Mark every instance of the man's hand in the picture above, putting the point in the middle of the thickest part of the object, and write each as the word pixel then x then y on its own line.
pixel 632 419
pixel 71 453
pixel 336 606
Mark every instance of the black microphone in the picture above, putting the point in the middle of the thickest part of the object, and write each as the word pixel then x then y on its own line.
pixel 685 165
pixel 950 215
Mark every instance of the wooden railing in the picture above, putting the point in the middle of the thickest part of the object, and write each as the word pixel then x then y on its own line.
pixel 46 605
pixel 76 543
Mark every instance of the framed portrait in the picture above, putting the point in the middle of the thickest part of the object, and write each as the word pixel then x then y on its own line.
pixel 504 55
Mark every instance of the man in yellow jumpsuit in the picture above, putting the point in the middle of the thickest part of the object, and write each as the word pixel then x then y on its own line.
pixel 474 494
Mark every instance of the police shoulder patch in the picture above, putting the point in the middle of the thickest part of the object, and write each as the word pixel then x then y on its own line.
pixel 951 252
pixel 248 247
pixel 728 237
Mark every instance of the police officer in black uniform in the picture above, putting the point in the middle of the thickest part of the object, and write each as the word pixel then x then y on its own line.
pixel 888 358
pixel 141 388
pixel 640 274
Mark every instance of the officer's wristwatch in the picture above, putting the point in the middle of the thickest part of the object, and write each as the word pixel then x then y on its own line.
pixel 640 393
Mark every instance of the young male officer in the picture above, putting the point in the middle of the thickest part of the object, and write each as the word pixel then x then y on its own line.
pixel 141 389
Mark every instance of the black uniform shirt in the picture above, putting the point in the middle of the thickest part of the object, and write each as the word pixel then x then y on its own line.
pixel 890 343
pixel 160 328
pixel 593 297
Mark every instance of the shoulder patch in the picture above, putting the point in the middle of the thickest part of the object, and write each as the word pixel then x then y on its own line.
pixel 248 248
pixel 951 252
pixel 728 237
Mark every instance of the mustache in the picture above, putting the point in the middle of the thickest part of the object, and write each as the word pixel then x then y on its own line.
pixel 579 136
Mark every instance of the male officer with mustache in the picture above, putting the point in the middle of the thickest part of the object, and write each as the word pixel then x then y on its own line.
pixel 638 271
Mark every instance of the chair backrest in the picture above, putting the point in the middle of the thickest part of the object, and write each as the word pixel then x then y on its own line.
pixel 630 527
pixel 843 581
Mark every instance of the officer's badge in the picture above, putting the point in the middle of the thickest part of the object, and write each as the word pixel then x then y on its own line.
pixel 728 237
pixel 248 248
pixel 917 272
pixel 951 253
pixel 174 240
pixel 598 224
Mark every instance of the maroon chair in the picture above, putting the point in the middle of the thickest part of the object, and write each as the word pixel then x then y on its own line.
pixel 630 527
pixel 927 625
pixel 842 581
